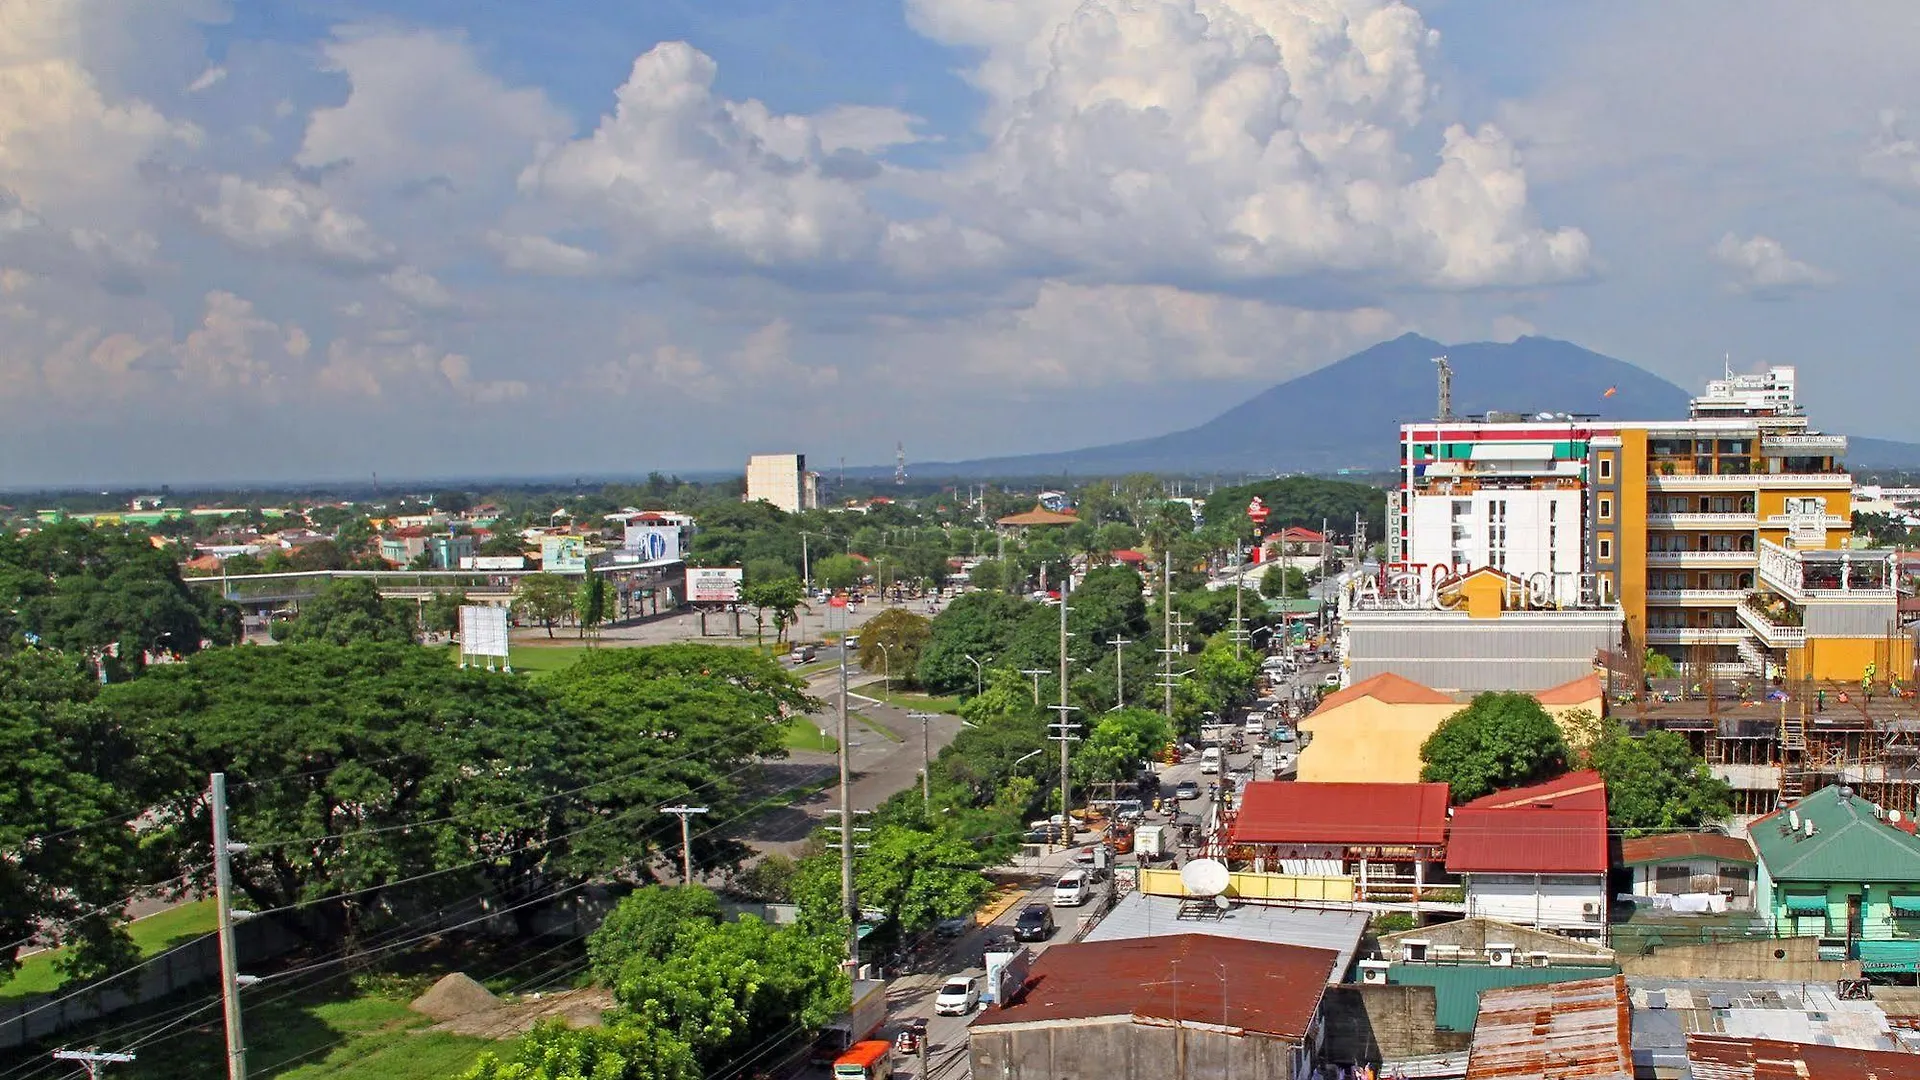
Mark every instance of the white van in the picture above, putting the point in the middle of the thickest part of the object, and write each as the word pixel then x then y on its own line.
pixel 1071 889
pixel 1210 760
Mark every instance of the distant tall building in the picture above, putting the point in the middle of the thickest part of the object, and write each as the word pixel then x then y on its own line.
pixel 783 480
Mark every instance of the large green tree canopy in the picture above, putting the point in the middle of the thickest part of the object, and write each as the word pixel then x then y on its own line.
pixel 347 611
pixel 1498 741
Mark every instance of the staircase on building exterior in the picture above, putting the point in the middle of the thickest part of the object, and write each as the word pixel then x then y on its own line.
pixel 1793 752
pixel 1756 661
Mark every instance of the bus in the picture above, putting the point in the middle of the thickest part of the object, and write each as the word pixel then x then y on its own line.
pixel 870 1060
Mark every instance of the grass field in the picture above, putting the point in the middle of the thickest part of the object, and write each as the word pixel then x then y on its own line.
pixel 800 734
pixel 152 935
pixel 915 702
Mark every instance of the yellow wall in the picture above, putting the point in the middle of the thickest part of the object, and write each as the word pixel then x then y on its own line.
pixel 1631 535
pixel 1369 741
pixel 1846 659
pixel 1257 886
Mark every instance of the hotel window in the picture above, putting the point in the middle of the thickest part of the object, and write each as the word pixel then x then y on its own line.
pixel 1606 548
pixel 1606 468
pixel 1606 509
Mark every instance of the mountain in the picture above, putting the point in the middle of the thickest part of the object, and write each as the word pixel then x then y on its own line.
pixel 1347 415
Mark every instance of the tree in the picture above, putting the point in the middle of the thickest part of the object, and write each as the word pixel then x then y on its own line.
pixel 1499 741
pixel 782 596
pixel 355 538
pixel 501 545
pixel 348 611
pixel 544 598
pixel 770 880
pixel 1280 581
pixel 838 572
pixel 1656 783
pixel 649 924
pixel 68 775
pixel 988 575
pixel 1660 665
pixel 766 569
pixel 319 555
pixel 977 624
pixel 1119 742
pixel 904 636
pixel 624 1049
pixel 441 613
pixel 916 876
pixel 590 604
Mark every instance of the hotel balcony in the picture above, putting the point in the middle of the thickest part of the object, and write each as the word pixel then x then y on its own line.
pixel 1695 635
pixel 1803 444
pixel 1749 481
pixel 1702 521
pixel 1696 597
pixel 1703 558
pixel 1802 575
pixel 1797 521
pixel 1775 635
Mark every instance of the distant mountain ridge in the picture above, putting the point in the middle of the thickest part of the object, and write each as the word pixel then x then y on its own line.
pixel 1347 415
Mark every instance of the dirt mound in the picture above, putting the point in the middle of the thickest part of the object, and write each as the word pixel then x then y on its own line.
pixel 576 1008
pixel 455 996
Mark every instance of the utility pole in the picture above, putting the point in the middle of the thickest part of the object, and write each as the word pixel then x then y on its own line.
pixel 91 1060
pixel 1239 576
pixel 846 807
pixel 1064 729
pixel 684 812
pixel 1166 647
pixel 1119 673
pixel 223 852
pixel 806 568
pixel 1035 673
pixel 926 757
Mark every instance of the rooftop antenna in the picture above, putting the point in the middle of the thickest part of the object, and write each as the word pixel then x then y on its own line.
pixel 900 463
pixel 1727 361
pixel 1446 387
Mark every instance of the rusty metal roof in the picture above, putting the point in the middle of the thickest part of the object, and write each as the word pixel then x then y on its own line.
pixel 1561 1031
pixel 1675 847
pixel 1254 986
pixel 1355 815
pixel 1720 1057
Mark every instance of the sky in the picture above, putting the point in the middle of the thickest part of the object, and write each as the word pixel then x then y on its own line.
pixel 317 239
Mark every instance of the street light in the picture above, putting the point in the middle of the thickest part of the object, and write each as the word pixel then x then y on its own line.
pixel 1024 757
pixel 977 674
pixel 926 756
pixel 886 665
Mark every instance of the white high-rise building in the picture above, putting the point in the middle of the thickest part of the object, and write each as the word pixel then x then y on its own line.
pixel 783 480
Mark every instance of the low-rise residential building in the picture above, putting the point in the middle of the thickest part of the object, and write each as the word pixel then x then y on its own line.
pixel 1691 864
pixel 1837 867
pixel 1336 929
pixel 1668 1013
pixel 1536 856
pixel 1388 837
pixel 1152 1008
pixel 1559 1031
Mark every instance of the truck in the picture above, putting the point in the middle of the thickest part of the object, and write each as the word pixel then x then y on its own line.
pixel 857 1024
pixel 1006 974
pixel 1149 842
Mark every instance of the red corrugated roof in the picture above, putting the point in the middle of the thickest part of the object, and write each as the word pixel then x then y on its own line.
pixel 1394 815
pixel 1676 847
pixel 1559 827
pixel 1128 555
pixel 1194 978
pixel 1578 692
pixel 1560 1031
pixel 1723 1057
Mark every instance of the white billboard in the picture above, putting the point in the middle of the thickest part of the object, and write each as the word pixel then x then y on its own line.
pixel 493 562
pixel 713 585
pixel 563 555
pixel 654 543
pixel 483 631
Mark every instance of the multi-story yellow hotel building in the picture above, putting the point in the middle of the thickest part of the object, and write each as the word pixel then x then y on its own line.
pixel 1726 537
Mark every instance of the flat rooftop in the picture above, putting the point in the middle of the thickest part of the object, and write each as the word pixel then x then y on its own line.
pixel 1139 915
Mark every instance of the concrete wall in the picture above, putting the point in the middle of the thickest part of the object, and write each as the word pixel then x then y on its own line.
pixel 1371 1024
pixel 1781 960
pixel 1368 741
pixel 1116 1048
pixel 1549 901
pixel 1471 936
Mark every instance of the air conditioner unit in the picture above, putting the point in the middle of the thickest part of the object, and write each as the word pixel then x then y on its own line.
pixel 1589 908
pixel 1500 955
pixel 1414 952
pixel 1373 972
pixel 1540 958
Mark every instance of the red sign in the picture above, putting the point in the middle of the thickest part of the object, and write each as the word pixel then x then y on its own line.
pixel 837 601
pixel 1258 514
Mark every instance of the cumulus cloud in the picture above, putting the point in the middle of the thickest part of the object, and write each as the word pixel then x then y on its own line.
pixel 764 357
pixel 419 288
pixel 1090 336
pixel 1760 265
pixel 235 347
pixel 1235 139
pixel 289 215
pixel 421 109
pixel 207 79
pixel 1892 160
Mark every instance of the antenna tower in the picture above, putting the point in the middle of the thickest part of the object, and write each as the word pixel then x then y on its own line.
pixel 900 463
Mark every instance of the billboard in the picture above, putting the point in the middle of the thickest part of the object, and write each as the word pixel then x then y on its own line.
pixel 483 630
pixel 654 543
pixel 563 555
pixel 713 585
pixel 493 562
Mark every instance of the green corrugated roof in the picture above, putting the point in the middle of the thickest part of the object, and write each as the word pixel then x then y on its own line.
pixel 1457 987
pixel 1293 605
pixel 1848 843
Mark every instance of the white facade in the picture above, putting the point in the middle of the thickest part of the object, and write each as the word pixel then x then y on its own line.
pixel 1570 904
pixel 783 480
pixel 1522 531
pixel 1677 877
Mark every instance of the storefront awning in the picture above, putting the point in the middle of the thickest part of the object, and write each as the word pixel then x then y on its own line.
pixel 1807 905
pixel 1905 905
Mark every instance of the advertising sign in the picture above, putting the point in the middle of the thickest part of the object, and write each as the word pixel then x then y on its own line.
pixel 563 555
pixel 713 585
pixel 653 543
pixel 483 630
pixel 493 562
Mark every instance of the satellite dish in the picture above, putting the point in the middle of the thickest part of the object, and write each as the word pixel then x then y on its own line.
pixel 1204 877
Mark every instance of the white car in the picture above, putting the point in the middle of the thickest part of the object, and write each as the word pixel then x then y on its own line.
pixel 1332 679
pixel 960 996
pixel 1071 890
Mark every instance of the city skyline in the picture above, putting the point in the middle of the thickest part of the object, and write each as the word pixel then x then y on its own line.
pixel 292 241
